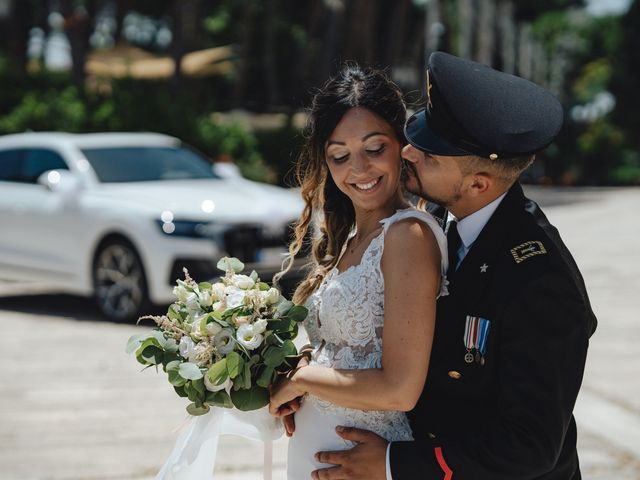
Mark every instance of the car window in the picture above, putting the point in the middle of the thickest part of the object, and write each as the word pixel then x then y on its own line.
pixel 36 161
pixel 10 165
pixel 144 164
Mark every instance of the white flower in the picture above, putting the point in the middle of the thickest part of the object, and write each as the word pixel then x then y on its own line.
pixel 192 303
pixel 217 291
pixel 213 328
pixel 248 338
pixel 235 296
pixel 187 347
pixel 224 341
pixel 181 293
pixel 273 296
pixel 243 281
pixel 205 298
pixel 260 325
pixel 216 388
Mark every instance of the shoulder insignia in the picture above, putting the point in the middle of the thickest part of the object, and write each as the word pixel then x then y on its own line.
pixel 528 250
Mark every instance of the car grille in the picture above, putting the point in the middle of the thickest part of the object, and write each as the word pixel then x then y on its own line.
pixel 243 243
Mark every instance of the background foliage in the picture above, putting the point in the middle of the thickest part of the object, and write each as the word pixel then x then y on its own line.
pixel 281 49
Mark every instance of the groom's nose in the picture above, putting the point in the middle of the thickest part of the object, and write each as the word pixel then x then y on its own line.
pixel 411 153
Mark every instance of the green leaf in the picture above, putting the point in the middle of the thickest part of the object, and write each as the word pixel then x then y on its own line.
pixel 251 399
pixel 198 386
pixel 235 364
pixel 219 399
pixel 297 313
pixel 289 348
pixel 247 376
pixel 174 375
pixel 263 286
pixel 180 391
pixel 190 371
pixel 134 342
pixel 194 410
pixel 266 377
pixel 230 264
pixel 283 308
pixel 218 373
pixel 274 356
pixel 169 345
pixel 281 325
pixel 204 286
pixel 149 352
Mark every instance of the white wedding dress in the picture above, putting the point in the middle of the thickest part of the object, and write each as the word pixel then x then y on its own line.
pixel 345 321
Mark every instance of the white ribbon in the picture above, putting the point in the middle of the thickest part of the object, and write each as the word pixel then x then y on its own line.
pixel 194 454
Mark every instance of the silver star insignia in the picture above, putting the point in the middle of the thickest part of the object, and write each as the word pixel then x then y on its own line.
pixel 483 268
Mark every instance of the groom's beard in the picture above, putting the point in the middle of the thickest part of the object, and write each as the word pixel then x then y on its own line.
pixel 413 185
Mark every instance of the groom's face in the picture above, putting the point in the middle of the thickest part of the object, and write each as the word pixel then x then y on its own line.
pixel 435 178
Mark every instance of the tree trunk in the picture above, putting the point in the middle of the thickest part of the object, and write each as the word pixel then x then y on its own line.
pixel 246 38
pixel 434 27
pixel 396 33
pixel 332 37
pixel 78 25
pixel 360 35
pixel 122 7
pixel 525 51
pixel 270 53
pixel 507 36
pixel 17 32
pixel 485 32
pixel 465 27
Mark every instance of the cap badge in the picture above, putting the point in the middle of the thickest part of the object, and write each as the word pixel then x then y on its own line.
pixel 429 86
pixel 528 250
pixel 476 332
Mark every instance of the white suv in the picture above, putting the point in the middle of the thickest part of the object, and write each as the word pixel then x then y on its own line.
pixel 118 215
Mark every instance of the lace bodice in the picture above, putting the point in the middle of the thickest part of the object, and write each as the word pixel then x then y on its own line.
pixel 345 322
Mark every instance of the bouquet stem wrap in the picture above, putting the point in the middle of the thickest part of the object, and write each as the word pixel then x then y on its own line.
pixel 194 454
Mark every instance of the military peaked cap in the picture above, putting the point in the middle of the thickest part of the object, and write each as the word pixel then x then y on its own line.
pixel 475 110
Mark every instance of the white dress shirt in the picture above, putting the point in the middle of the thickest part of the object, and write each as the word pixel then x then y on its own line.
pixel 469 229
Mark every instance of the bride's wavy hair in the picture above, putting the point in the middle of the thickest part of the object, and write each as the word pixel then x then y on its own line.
pixel 325 204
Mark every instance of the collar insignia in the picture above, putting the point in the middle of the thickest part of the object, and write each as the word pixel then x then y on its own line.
pixel 528 250
pixel 429 86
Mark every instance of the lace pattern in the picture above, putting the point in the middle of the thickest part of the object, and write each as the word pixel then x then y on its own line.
pixel 345 322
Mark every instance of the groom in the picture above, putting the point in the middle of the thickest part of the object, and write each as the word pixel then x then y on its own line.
pixel 511 337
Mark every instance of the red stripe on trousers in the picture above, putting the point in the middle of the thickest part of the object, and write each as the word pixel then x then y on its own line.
pixel 448 473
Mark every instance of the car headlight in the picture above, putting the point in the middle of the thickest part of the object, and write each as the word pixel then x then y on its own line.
pixel 184 228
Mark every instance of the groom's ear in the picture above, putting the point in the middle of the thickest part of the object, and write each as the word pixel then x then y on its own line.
pixel 479 183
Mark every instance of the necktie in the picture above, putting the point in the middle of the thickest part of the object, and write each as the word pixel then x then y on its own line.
pixel 453 245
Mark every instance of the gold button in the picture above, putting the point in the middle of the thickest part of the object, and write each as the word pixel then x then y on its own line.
pixel 455 375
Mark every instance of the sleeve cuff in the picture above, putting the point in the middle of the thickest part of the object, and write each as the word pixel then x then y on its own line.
pixel 417 459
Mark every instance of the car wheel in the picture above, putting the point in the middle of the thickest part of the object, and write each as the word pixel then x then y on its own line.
pixel 119 282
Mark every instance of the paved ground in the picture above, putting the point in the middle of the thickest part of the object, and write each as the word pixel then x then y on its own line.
pixel 74 406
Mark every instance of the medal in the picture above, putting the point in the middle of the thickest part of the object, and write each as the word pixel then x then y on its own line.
pixel 476 332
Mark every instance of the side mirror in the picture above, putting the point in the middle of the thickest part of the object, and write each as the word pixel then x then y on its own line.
pixel 62 181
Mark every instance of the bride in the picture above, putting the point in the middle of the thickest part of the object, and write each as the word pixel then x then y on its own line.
pixel 371 332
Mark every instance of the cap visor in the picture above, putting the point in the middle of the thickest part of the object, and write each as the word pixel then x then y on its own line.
pixel 421 136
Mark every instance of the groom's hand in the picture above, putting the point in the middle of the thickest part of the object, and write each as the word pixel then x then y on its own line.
pixel 367 460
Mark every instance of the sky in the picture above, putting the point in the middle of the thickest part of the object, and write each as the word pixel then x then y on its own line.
pixel 607 7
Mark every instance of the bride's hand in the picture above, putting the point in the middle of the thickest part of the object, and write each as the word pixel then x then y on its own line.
pixel 282 393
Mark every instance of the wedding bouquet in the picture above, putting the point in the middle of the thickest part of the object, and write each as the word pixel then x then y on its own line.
pixel 223 344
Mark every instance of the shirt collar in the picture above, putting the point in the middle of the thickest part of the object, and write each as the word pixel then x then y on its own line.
pixel 470 226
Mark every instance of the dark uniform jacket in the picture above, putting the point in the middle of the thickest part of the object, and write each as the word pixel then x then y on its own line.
pixel 508 416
